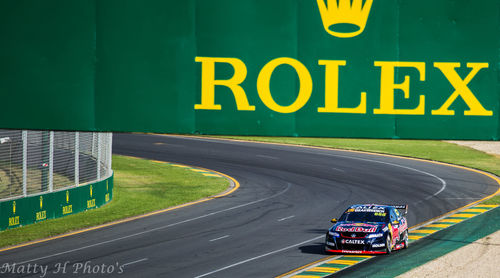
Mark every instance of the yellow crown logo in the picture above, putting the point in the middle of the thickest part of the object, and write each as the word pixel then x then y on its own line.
pixel 344 19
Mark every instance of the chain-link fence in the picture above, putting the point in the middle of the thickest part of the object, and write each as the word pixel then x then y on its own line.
pixel 33 162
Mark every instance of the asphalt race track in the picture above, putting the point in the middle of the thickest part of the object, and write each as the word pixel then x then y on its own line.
pixel 273 223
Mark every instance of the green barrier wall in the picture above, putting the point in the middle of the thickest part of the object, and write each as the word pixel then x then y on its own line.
pixel 338 68
pixel 34 209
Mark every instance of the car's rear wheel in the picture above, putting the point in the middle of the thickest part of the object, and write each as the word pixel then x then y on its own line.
pixel 388 247
pixel 405 239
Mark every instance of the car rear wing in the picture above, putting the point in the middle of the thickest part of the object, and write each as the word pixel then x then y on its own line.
pixel 402 208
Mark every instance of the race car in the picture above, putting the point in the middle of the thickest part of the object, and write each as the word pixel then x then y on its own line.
pixel 369 229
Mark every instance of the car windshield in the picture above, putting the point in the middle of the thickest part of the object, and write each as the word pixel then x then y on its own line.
pixel 364 216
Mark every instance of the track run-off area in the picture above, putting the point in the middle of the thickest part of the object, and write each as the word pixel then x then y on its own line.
pixel 273 223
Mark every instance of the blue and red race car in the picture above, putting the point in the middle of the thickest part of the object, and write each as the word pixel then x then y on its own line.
pixel 369 229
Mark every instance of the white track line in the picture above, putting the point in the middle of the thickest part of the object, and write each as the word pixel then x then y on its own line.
pixel 286 218
pixel 218 140
pixel 470 198
pixel 219 238
pixel 258 257
pixel 156 229
pixel 443 182
pixel 266 156
pixel 134 262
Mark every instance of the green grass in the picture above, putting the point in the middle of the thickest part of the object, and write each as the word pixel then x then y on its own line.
pixel 425 149
pixel 140 186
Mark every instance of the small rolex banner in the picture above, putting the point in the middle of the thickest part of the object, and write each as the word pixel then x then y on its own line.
pixel 334 68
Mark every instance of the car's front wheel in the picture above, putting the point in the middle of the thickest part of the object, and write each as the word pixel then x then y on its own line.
pixel 388 247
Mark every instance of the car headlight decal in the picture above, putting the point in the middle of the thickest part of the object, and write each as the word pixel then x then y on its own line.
pixel 375 235
pixel 333 234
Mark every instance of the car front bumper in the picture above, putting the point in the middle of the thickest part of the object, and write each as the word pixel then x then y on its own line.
pixel 355 246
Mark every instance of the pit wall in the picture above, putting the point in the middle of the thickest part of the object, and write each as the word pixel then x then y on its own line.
pixel 34 209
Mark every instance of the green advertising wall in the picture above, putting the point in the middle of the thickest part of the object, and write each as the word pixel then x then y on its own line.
pixel 38 208
pixel 413 69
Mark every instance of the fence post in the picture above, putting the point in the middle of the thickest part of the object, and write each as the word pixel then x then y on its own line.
pixel 77 158
pixel 45 161
pixel 51 161
pixel 99 156
pixel 110 151
pixel 25 162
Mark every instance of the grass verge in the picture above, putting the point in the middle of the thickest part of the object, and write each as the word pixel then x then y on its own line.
pixel 140 186
pixel 428 149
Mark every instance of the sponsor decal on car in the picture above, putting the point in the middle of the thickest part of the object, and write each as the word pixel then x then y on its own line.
pixel 404 225
pixel 356 229
pixel 378 245
pixel 352 251
pixel 365 209
pixel 353 241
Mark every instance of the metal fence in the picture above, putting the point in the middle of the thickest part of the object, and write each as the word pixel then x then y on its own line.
pixel 35 162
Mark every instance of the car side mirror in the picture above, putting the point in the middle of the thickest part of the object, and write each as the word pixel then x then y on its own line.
pixel 334 220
